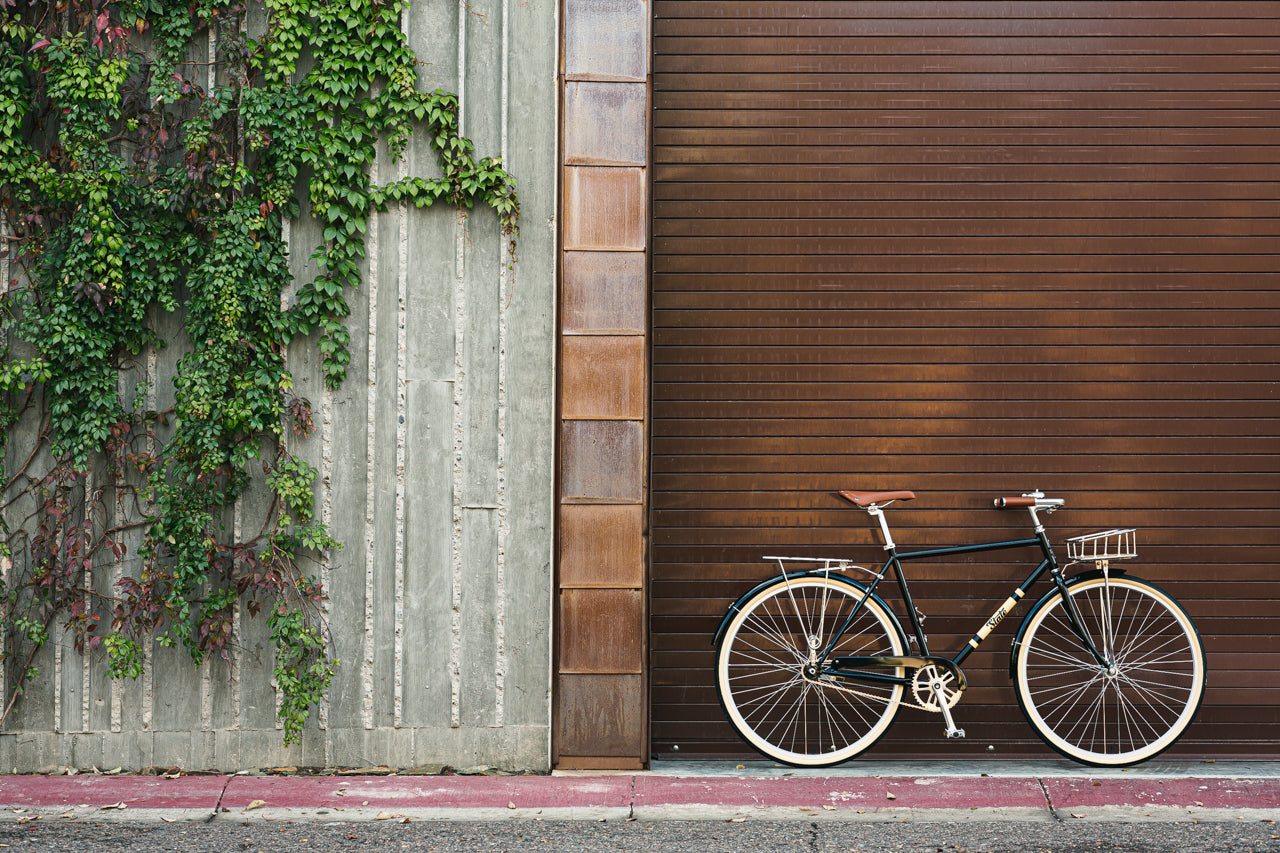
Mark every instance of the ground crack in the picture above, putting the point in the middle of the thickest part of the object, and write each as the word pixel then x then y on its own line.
pixel 1049 801
pixel 813 837
pixel 217 808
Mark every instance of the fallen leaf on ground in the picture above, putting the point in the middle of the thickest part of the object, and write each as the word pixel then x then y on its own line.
pixel 255 804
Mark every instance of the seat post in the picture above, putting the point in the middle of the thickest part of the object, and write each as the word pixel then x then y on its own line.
pixel 877 512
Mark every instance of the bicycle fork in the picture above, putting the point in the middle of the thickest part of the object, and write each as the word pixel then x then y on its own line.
pixel 1106 657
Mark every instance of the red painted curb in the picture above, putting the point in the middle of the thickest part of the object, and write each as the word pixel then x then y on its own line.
pixel 899 792
pixel 1184 793
pixel 416 792
pixel 152 792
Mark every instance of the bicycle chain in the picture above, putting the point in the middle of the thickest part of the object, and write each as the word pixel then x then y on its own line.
pixel 866 695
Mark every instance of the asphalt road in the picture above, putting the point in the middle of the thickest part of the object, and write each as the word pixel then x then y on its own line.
pixel 640 837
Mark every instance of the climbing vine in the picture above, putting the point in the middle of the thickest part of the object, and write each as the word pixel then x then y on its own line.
pixel 150 153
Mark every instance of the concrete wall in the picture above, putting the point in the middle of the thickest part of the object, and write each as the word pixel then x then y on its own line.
pixel 436 462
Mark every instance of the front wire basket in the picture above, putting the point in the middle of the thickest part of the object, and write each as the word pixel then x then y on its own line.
pixel 1117 544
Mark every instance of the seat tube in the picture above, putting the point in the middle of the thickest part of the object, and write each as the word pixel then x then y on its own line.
pixel 896 564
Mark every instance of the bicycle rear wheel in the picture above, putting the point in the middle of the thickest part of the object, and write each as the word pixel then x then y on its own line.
pixel 760 678
pixel 1130 713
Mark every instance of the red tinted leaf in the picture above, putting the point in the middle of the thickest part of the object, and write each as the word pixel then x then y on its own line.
pixel 41 44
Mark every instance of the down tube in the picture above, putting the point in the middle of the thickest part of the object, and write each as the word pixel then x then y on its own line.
pixel 1001 612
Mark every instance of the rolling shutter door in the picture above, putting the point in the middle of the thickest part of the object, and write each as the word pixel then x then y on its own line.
pixel 968 249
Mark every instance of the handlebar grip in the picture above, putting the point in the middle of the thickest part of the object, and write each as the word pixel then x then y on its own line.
pixel 1007 503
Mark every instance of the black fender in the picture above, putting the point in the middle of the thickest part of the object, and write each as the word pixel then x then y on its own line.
pixel 808 573
pixel 1074 579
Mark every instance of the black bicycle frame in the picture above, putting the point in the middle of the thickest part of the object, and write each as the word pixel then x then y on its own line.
pixel 1049 563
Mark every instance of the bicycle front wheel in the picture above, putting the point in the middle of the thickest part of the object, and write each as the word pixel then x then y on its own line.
pixel 1110 716
pixel 760 671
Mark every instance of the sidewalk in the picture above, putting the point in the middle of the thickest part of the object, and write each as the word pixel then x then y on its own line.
pixel 862 790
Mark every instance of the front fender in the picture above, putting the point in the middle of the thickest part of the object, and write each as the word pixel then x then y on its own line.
pixel 1074 579
pixel 776 579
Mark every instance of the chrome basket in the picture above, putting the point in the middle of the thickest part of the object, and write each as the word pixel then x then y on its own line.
pixel 1117 544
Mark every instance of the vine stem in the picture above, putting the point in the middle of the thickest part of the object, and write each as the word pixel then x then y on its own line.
pixel 22 676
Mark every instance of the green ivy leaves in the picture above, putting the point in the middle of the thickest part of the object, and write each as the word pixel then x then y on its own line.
pixel 139 176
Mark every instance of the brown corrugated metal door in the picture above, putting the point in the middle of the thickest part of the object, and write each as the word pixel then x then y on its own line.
pixel 968 249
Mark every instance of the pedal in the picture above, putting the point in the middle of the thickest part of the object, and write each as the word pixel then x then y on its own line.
pixel 955 733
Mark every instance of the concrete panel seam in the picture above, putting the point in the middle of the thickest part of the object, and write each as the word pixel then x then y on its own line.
pixel 57 678
pixel 459 418
pixel 326 558
pixel 371 458
pixel 402 291
pixel 206 694
pixel 500 574
pixel 402 298
pixel 152 379
pixel 459 399
pixel 237 530
pixel 504 527
pixel 86 660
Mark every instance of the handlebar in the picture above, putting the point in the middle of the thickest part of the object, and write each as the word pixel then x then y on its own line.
pixel 1034 500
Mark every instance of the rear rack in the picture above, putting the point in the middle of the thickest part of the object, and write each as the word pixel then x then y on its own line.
pixel 826 564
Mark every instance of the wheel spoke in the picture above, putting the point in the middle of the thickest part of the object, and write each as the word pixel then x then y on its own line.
pixel 1122 714
pixel 760 672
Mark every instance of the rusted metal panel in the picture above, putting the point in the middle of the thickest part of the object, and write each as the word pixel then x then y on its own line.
pixel 606 39
pixel 604 208
pixel 601 630
pixel 603 292
pixel 932 254
pixel 605 123
pixel 602 462
pixel 603 377
pixel 601 715
pixel 601 545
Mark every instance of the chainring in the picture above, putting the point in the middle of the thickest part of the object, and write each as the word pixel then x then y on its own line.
pixel 925 697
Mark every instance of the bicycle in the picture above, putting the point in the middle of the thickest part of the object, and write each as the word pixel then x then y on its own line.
pixel 812 666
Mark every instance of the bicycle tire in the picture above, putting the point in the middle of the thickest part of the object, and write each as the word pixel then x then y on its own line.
pixel 759 671
pixel 1120 718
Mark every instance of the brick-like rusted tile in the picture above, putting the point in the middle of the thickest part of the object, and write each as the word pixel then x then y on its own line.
pixel 602 376
pixel 601 715
pixel 601 462
pixel 604 292
pixel 601 545
pixel 601 630
pixel 605 123
pixel 604 207
pixel 606 38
